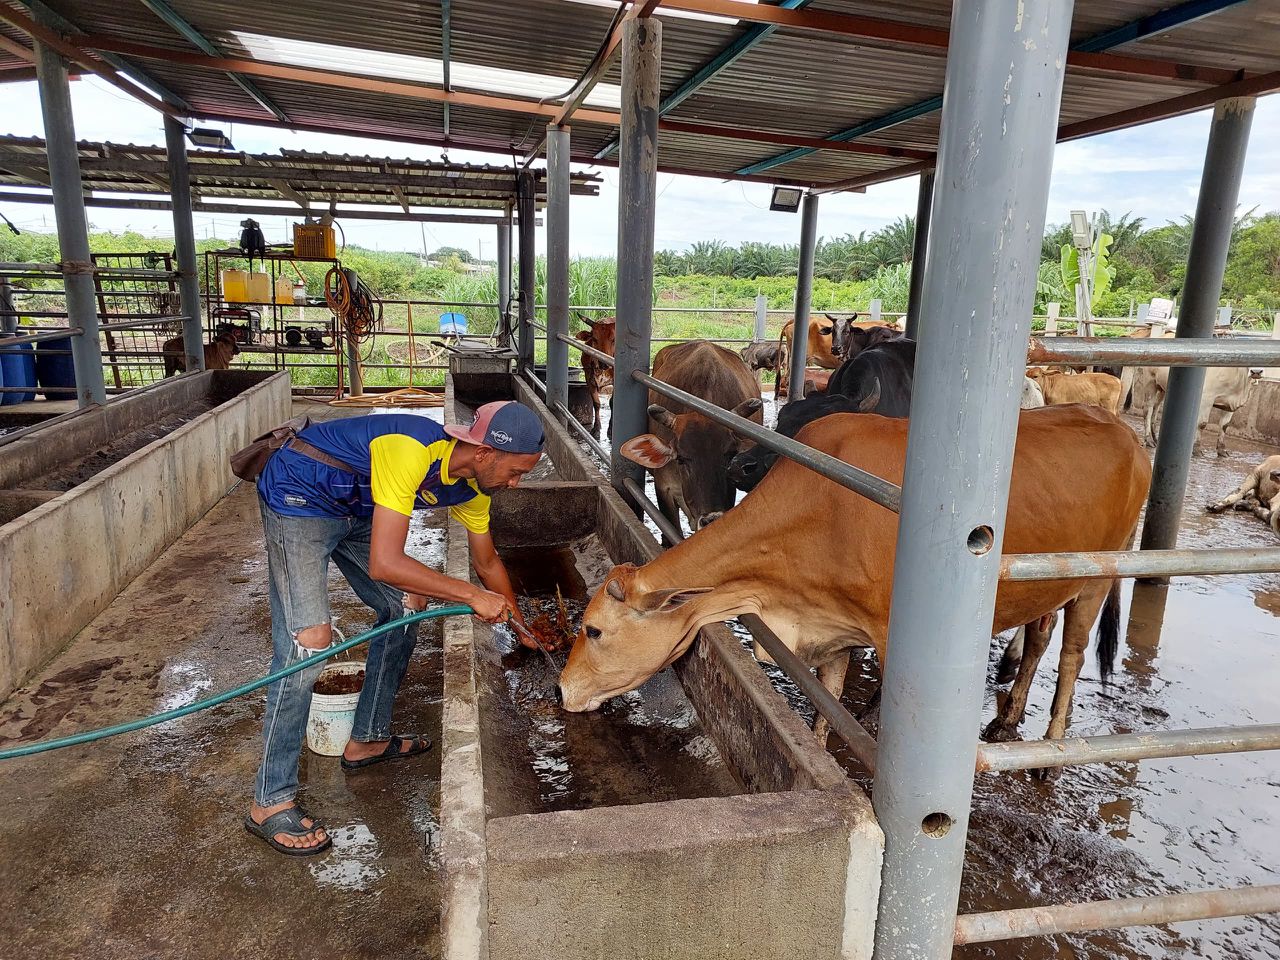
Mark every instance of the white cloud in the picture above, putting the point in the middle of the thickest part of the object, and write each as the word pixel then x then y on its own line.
pixel 1152 172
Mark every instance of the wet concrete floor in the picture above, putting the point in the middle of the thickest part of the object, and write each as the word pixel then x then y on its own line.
pixel 134 847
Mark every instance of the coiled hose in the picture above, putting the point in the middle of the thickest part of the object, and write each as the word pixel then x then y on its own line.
pixel 89 736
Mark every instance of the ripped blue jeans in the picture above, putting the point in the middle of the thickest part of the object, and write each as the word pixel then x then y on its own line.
pixel 298 554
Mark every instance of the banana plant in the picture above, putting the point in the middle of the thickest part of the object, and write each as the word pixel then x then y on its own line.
pixel 1103 272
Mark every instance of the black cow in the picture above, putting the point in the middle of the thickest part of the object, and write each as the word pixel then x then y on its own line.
pixel 877 380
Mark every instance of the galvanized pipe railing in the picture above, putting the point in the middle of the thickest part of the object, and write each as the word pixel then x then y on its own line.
pixel 845 725
pixel 583 432
pixel 1177 352
pixel 1109 565
pixel 888 495
pixel 587 349
pixel 669 530
pixel 1110 914
pixel 1157 745
pixel 57 334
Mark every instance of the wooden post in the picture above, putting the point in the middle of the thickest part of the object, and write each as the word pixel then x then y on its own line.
pixel 1051 322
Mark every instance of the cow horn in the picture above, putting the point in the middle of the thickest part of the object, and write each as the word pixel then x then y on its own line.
pixel 614 589
pixel 868 403
pixel 583 318
pixel 662 415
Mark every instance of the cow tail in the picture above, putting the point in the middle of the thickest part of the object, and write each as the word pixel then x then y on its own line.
pixel 1109 633
pixel 783 363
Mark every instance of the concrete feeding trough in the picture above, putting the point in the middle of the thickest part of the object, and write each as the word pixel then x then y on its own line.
pixel 697 817
pixel 91 499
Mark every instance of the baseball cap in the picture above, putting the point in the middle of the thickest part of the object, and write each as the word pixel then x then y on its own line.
pixel 505 425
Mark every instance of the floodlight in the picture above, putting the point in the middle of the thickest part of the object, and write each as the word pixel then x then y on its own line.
pixel 209 137
pixel 1081 234
pixel 786 199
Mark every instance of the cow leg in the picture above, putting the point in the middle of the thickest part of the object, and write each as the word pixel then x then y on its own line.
pixel 1080 617
pixel 1244 492
pixel 831 675
pixel 1035 641
pixel 1222 431
pixel 595 414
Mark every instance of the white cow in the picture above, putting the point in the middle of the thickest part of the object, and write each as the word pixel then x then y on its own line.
pixel 1032 395
pixel 1225 389
pixel 1259 494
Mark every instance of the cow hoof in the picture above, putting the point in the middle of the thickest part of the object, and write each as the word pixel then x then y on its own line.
pixel 1214 507
pixel 1046 774
pixel 997 731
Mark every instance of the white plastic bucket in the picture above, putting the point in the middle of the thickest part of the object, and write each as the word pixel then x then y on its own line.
pixel 332 715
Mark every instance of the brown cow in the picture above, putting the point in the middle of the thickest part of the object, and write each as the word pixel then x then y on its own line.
pixel 217 355
pixel 1259 494
pixel 758 558
pixel 1098 389
pixel 688 453
pixel 602 336
pixel 821 349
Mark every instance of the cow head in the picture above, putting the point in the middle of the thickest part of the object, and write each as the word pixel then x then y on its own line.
pixel 628 634
pixel 841 328
pixel 603 333
pixel 698 450
pixel 229 339
pixel 749 467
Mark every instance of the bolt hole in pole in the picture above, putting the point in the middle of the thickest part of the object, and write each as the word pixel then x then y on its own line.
pixel 981 540
pixel 936 825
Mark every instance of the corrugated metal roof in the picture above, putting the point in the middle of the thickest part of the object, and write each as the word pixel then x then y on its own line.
pixel 796 82
pixel 319 177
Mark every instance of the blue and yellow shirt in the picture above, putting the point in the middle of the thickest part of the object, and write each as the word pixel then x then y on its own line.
pixel 403 464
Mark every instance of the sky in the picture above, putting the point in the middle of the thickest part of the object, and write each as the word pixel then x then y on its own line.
pixel 1152 172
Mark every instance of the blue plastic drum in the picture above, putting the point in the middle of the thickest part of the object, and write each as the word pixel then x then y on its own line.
pixel 19 365
pixel 54 366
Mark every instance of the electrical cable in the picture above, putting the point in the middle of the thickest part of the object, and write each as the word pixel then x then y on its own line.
pixel 600 52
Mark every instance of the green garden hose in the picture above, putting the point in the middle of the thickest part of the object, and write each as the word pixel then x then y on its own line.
pixel 89 736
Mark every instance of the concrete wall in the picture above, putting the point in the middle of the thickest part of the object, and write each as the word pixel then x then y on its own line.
pixel 1260 418
pixel 760 877
pixel 64 561
pixel 784 871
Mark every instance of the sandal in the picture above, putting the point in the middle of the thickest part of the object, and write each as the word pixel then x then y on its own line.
pixel 395 750
pixel 289 822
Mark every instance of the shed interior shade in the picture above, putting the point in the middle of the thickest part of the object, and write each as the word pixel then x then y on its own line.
pixel 430 70
pixel 741 81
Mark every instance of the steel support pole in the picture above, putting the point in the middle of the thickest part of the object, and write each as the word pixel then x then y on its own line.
pixel 73 229
pixel 1000 110
pixel 637 201
pixel 528 266
pixel 804 297
pixel 504 278
pixel 557 266
pixel 184 243
pixel 8 315
pixel 919 252
pixel 1206 263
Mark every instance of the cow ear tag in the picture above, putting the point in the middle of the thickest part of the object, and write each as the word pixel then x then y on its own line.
pixel 648 451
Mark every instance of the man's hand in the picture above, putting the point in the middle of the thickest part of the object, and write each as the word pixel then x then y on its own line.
pixel 490 607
